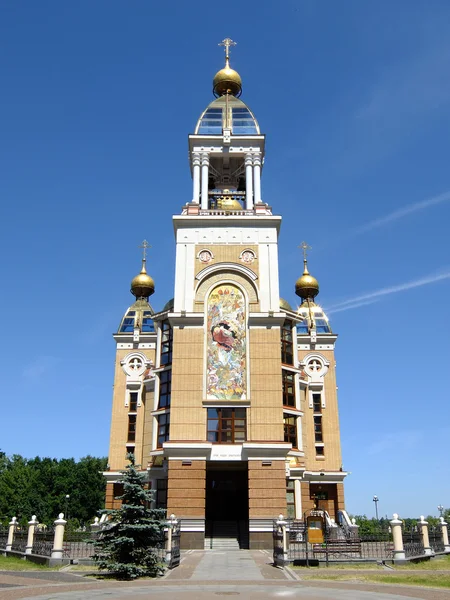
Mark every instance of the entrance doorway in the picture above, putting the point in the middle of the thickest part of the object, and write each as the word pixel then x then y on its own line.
pixel 226 505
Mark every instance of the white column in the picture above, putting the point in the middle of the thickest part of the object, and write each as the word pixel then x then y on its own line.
pixel 205 177
pixel 196 177
pixel 30 539
pixel 257 179
pixel 11 531
pixel 423 526
pixel 444 533
pixel 249 181
pixel 397 538
pixel 95 526
pixel 298 499
pixel 57 550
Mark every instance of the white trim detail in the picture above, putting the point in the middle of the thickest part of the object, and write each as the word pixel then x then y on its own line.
pixel 226 267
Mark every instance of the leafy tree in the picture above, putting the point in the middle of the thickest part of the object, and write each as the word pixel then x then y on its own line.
pixel 38 486
pixel 128 546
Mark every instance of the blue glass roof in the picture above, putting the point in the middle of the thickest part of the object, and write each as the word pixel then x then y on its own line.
pixel 318 316
pixel 239 118
pixel 142 313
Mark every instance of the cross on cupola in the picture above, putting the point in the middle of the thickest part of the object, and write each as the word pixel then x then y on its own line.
pixel 227 42
pixel 145 245
pixel 304 246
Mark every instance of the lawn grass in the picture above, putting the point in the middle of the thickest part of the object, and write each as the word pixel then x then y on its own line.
pixel 441 563
pixel 419 579
pixel 12 563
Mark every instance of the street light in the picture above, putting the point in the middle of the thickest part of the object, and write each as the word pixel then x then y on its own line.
pixel 375 499
pixel 67 506
pixel 440 509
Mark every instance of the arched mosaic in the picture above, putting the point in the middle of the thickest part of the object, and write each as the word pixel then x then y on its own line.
pixel 226 344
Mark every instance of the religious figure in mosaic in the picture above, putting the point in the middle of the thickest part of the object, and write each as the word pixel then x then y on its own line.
pixel 226 344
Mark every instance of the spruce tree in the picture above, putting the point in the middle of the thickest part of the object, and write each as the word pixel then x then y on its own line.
pixel 128 546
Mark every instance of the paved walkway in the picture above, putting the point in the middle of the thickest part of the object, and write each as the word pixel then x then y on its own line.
pixel 238 565
pixel 247 574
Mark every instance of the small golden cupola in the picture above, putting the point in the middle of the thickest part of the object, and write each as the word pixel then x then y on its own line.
pixel 143 286
pixel 306 286
pixel 227 81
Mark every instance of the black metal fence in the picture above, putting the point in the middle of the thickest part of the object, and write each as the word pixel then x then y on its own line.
pixel 436 541
pixel 20 539
pixel 175 553
pixel 3 536
pixel 337 545
pixel 80 544
pixel 413 542
pixel 43 541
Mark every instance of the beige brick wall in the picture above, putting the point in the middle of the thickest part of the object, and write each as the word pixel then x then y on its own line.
pixel 187 415
pixel 265 417
pixel 186 489
pixel 330 422
pixel 266 489
pixel 119 418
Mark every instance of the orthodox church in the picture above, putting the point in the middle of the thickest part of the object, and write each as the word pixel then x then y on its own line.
pixel 227 396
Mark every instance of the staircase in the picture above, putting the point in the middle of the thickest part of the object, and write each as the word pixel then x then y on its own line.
pixel 226 535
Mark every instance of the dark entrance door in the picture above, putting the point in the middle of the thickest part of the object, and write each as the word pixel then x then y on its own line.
pixel 227 501
pixel 227 492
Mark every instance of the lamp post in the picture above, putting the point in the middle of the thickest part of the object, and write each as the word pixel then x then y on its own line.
pixel 67 506
pixel 376 499
pixel 440 509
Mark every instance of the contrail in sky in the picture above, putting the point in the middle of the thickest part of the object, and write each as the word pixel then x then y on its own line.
pixel 403 212
pixel 376 295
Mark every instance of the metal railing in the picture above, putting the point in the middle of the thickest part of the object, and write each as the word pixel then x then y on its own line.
pixel 413 542
pixel 436 541
pixel 346 547
pixel 43 541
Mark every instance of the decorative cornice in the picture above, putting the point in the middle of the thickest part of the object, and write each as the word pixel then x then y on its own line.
pixel 225 266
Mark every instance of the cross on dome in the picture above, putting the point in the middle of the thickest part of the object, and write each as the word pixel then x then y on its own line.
pixel 144 247
pixel 227 42
pixel 304 246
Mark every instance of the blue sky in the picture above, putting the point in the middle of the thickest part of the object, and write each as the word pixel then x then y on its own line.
pixel 97 101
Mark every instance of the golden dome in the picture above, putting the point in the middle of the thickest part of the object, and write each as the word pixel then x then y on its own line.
pixel 142 285
pixel 227 81
pixel 284 304
pixel 306 286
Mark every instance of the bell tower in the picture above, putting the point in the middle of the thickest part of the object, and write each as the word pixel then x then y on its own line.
pixel 226 430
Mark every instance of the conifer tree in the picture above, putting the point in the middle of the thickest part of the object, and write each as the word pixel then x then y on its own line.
pixel 128 546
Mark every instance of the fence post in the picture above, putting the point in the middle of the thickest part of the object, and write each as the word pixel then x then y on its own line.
pixel 423 526
pixel 11 531
pixel 397 537
pixel 444 534
pixel 281 523
pixel 353 528
pixel 60 523
pixel 95 526
pixel 171 521
pixel 31 529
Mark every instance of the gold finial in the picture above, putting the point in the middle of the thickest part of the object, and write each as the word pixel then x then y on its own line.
pixel 143 285
pixel 227 80
pixel 306 286
pixel 227 42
